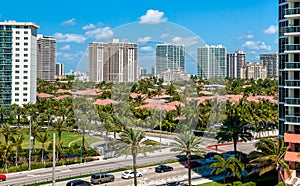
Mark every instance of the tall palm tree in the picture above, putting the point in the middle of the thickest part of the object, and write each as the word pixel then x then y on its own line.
pixel 270 156
pixel 130 142
pixel 35 129
pixel 187 143
pixel 5 150
pixel 43 138
pixel 231 165
pixel 60 126
pixel 18 111
pixel 7 131
pixel 17 142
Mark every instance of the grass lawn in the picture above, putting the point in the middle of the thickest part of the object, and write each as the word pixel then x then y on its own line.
pixel 67 138
pixel 211 184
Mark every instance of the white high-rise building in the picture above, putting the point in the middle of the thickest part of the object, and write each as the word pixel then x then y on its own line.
pixel 18 60
pixel 211 62
pixel 235 62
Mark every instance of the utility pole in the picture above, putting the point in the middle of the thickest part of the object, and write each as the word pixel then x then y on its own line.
pixel 29 161
pixel 54 161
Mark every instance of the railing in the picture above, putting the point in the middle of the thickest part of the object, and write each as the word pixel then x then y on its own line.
pixel 292 118
pixel 291 11
pixel 292 101
pixel 292 65
pixel 291 29
pixel 292 83
pixel 292 47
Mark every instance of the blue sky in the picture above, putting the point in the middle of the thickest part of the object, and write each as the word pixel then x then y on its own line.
pixel 248 25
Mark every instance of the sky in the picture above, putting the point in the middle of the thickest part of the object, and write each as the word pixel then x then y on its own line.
pixel 248 25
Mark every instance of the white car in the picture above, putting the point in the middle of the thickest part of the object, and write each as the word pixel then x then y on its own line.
pixel 130 174
pixel 211 160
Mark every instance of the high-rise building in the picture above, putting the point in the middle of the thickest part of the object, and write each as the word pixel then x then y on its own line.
pixel 234 64
pixel 253 71
pixel 289 80
pixel 113 62
pixel 153 71
pixel 169 56
pixel 59 70
pixel 46 47
pixel 211 62
pixel 18 55
pixel 270 61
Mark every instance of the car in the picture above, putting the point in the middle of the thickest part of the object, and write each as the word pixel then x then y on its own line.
pixel 193 163
pixel 2 177
pixel 163 168
pixel 102 178
pixel 78 183
pixel 211 160
pixel 130 174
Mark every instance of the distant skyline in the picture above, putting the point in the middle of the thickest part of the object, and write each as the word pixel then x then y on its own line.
pixel 248 25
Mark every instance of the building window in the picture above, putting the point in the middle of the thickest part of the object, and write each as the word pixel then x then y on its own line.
pixel 17 60
pixel 25 72
pixel 17 49
pixel 25 49
pixel 24 100
pixel 25 66
pixel 25 26
pixel 25 38
pixel 16 94
pixel 25 44
pixel 25 83
pixel 17 44
pixel 17 72
pixel 17 38
pixel 25 55
pixel 16 83
pixel 25 32
pixel 25 94
pixel 17 66
pixel 25 60
pixel 25 77
pixel 17 55
pixel 17 32
pixel 17 77
pixel 25 88
pixel 16 88
pixel 16 100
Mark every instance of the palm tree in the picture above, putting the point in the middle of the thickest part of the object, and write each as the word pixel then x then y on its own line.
pixel 43 138
pixel 130 142
pixel 18 111
pixel 35 129
pixel 17 142
pixel 270 156
pixel 7 131
pixel 60 126
pixel 5 153
pixel 187 143
pixel 3 111
pixel 231 165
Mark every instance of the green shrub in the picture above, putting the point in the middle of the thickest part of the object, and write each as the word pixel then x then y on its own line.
pixel 237 183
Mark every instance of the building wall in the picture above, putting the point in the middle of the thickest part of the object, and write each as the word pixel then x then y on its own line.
pixel 113 62
pixel 46 49
pixel 59 70
pixel 169 56
pixel 253 71
pixel 18 63
pixel 211 62
pixel 270 61
pixel 234 64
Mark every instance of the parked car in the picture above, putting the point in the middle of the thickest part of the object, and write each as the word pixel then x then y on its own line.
pixel 102 178
pixel 163 168
pixel 78 183
pixel 211 160
pixel 2 177
pixel 193 163
pixel 130 174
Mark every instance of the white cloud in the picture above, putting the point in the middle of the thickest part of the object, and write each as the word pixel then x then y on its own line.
pixel 272 29
pixel 65 38
pixel 100 33
pixel 88 27
pixel 256 45
pixel 153 17
pixel 146 49
pixel 248 35
pixel 69 22
pixel 187 41
pixel 66 47
pixel 163 36
pixel 69 56
pixel 144 39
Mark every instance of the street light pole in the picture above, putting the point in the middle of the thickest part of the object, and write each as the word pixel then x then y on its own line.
pixel 54 161
pixel 29 161
pixel 160 129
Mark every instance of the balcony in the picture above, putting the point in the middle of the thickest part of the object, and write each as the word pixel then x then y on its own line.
pixel 292 48
pixel 292 65
pixel 292 83
pixel 292 12
pixel 291 137
pixel 291 30
pixel 292 119
pixel 292 101
pixel 292 156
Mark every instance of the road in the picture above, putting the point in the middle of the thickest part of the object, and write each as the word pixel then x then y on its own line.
pixel 69 171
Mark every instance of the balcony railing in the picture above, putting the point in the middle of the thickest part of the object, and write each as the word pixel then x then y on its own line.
pixel 291 11
pixel 292 138
pixel 291 29
pixel 292 65
pixel 292 118
pixel 292 83
pixel 292 47
pixel 292 101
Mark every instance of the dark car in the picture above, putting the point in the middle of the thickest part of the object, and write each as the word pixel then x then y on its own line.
pixel 193 163
pixel 163 168
pixel 78 183
pixel 2 177
pixel 102 178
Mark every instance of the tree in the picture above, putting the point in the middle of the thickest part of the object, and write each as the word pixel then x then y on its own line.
pixel 130 142
pixel 43 138
pixel 187 143
pixel 60 126
pixel 7 131
pixel 270 156
pixel 4 154
pixel 18 111
pixel 231 165
pixel 3 111
pixel 17 142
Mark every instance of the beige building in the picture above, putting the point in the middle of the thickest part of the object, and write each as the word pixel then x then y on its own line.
pixel 255 71
pixel 113 62
pixel 270 61
pixel 174 75
pixel 46 65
